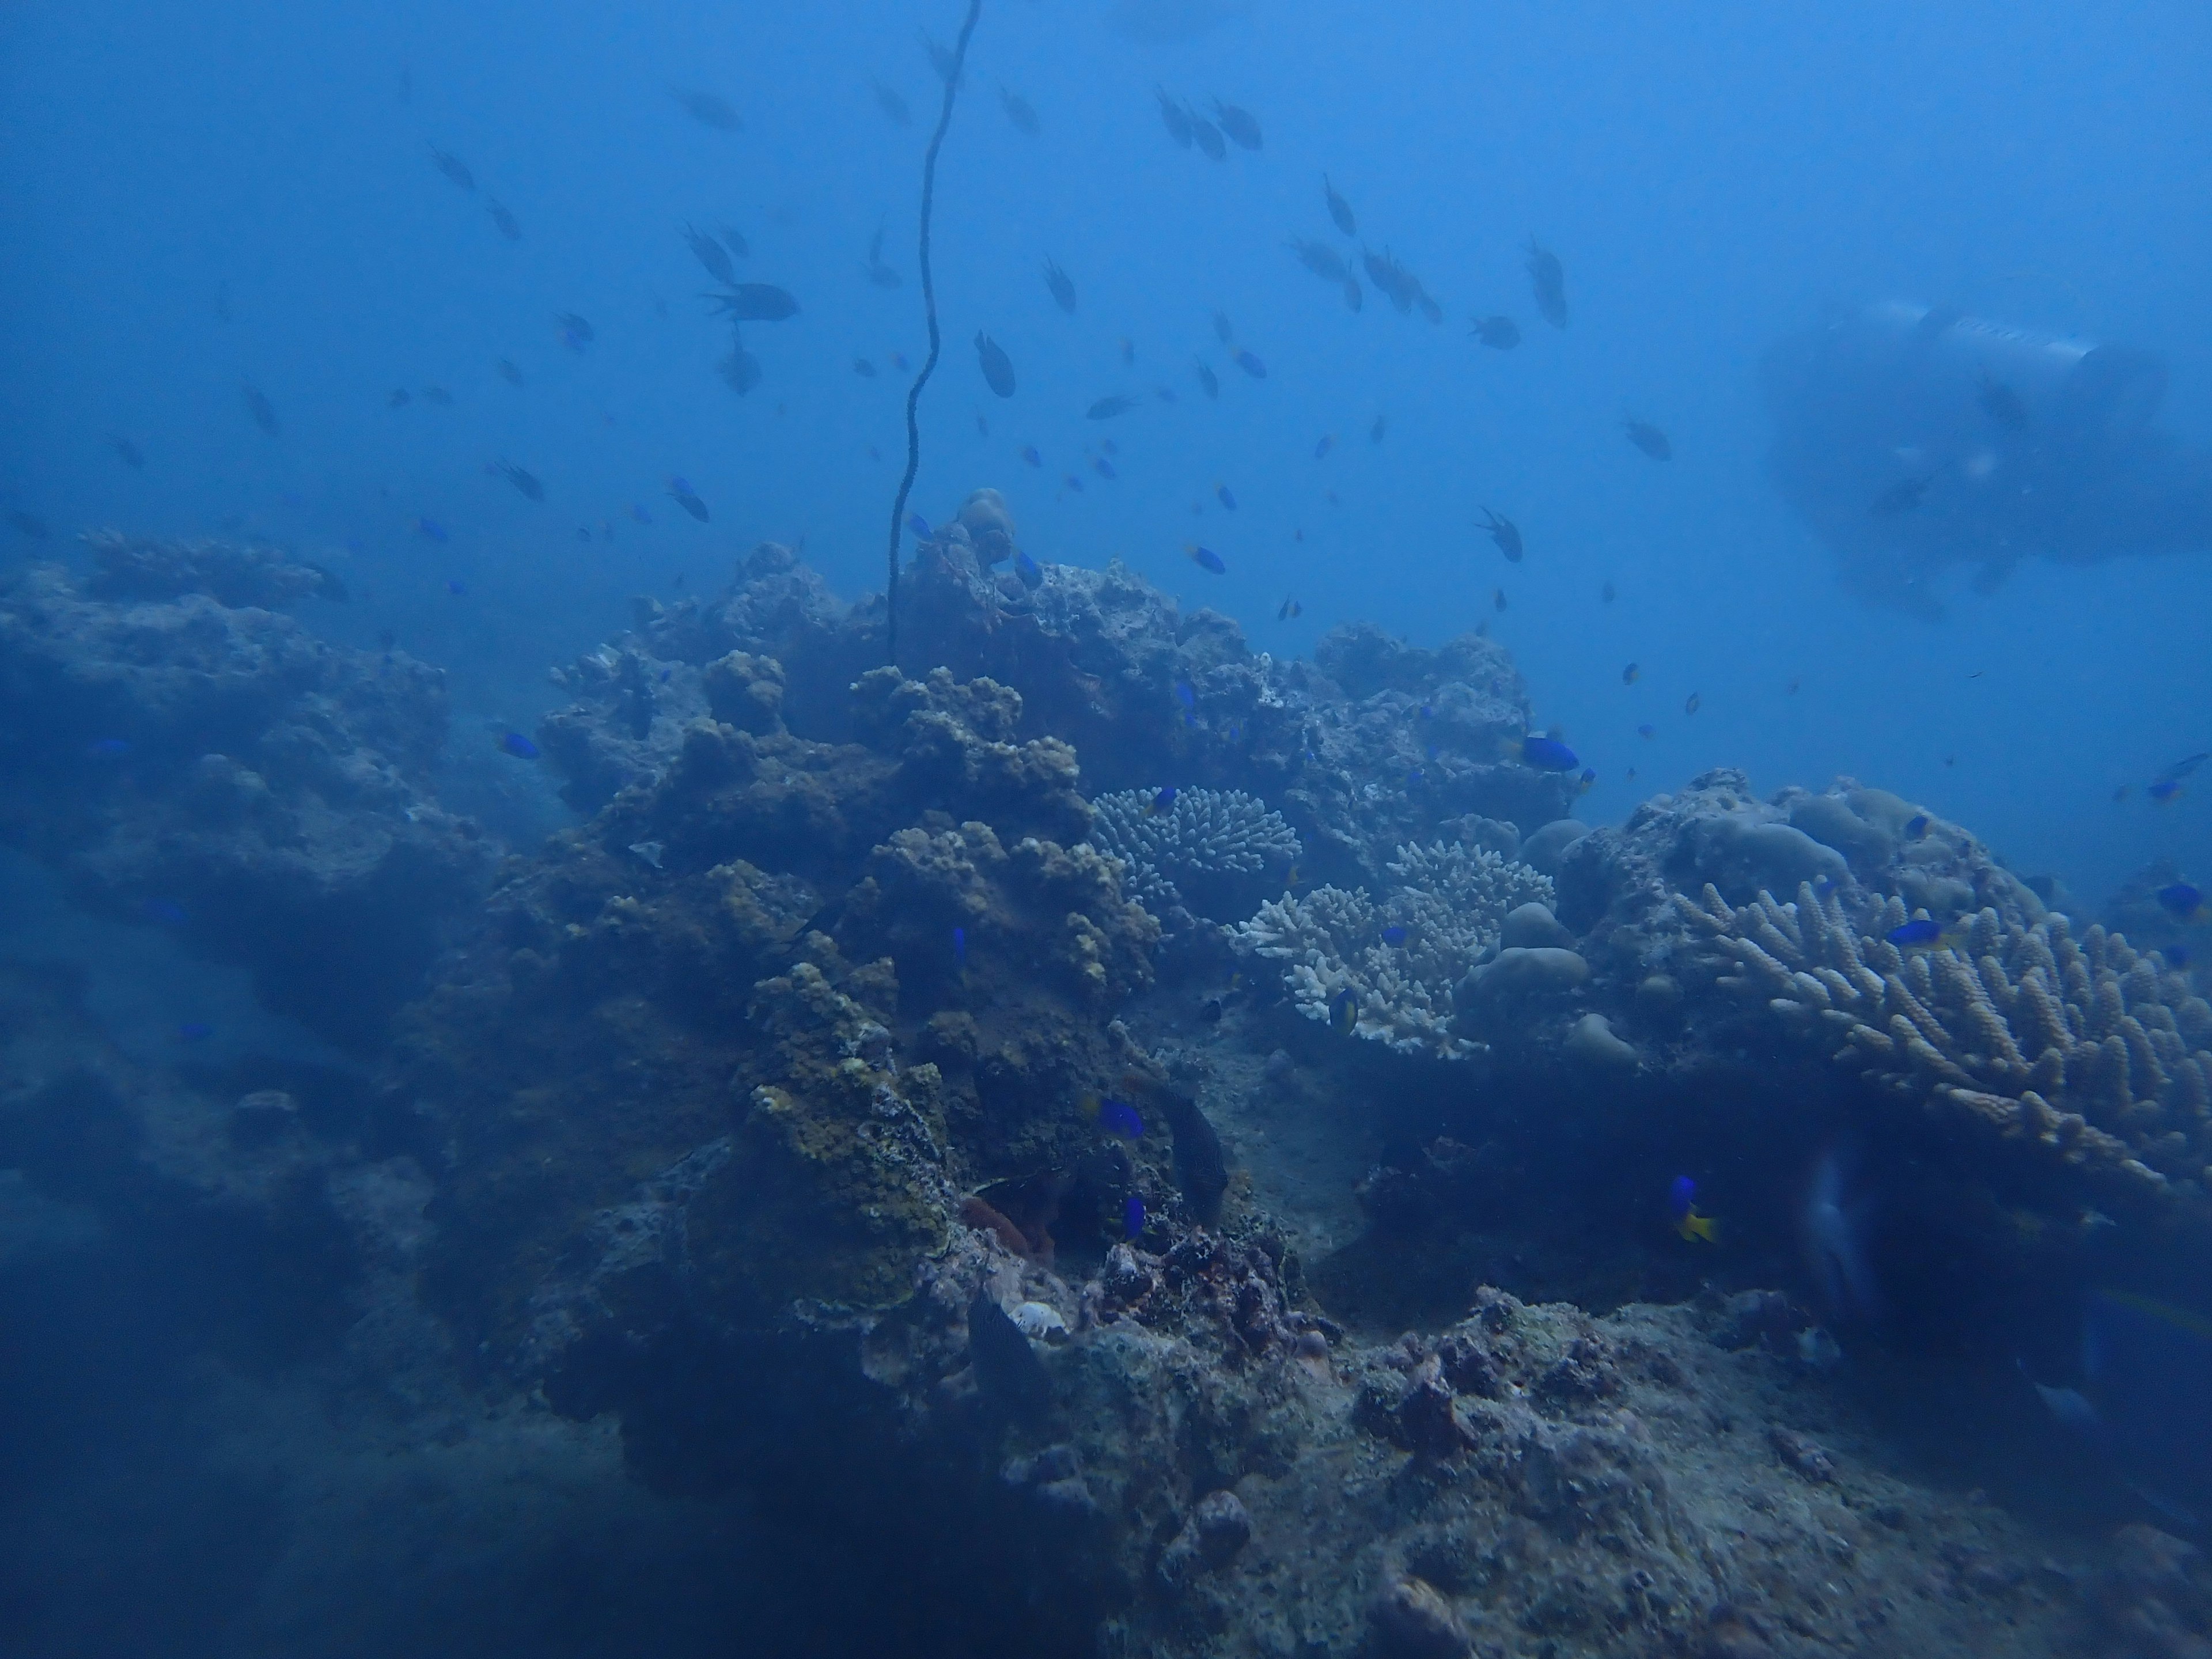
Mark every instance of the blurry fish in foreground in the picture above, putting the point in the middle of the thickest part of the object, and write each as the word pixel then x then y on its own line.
pixel 893 105
pixel 1648 439
pixel 453 167
pixel 1498 333
pixel 1243 129
pixel 1019 110
pixel 708 109
pixel 1062 289
pixel 1832 1226
pixel 527 483
pixel 684 496
pixel 1340 211
pixel 257 406
pixel 1205 559
pixel 1681 1204
pixel 997 368
pixel 711 254
pixel 754 302
pixel 2185 902
pixel 1548 279
pixel 2141 1400
pixel 1162 22
pixel 1504 532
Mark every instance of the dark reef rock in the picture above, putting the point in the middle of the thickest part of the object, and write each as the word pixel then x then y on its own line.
pixel 222 772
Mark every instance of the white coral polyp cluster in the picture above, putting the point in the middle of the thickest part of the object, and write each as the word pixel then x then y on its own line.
pixel 1199 831
pixel 2087 1048
pixel 1450 902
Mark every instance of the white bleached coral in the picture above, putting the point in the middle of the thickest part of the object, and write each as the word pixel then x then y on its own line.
pixel 2086 1048
pixel 1397 961
pixel 1195 850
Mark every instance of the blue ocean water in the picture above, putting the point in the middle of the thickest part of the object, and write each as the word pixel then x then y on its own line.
pixel 205 208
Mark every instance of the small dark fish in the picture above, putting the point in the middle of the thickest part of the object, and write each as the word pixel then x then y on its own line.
pixel 576 332
pixel 893 106
pixel 1161 799
pixel 2182 767
pixel 505 368
pixel 711 254
pixel 429 529
pixel 1103 467
pixel 1500 333
pixel 438 397
pixel 684 496
pixel 1630 675
pixel 864 368
pixel 740 370
pixel 1355 298
pixel 1902 496
pixel 1547 754
pixel 1429 308
pixel 399 397
pixel 1119 1118
pixel 525 481
pixel 1339 210
pixel 1207 382
pixel 960 949
pixel 1324 261
pixel 1245 359
pixel 1175 116
pixel 1019 110
pixel 734 240
pixel 1344 1012
pixel 1648 439
pixel 503 218
pixel 997 368
pixel 1062 289
pixel 1288 609
pixel 919 526
pixel 1504 533
pixel 1326 442
pixel 259 406
pixel 708 109
pixel 1694 702
pixel 1497 599
pixel 1608 595
pixel 1921 930
pixel 940 55
pixel 1108 407
pixel 1243 130
pixel 880 274
pixel 1549 280
pixel 1223 494
pixel 1394 936
pixel 1380 430
pixel 1185 696
pixel 2001 403
pixel 456 587
pixel 1916 826
pixel 453 167
pixel 1647 732
pixel 2163 790
pixel 755 302
pixel 126 451
pixel 2182 900
pixel 1208 137
pixel 1132 1216
pixel 167 912
pixel 1224 329
pixel 1206 559
pixel 1031 574
pixel 1029 452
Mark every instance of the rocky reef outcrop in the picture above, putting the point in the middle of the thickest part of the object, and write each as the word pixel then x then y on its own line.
pixel 187 757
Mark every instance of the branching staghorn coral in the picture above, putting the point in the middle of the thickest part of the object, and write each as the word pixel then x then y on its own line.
pixel 1201 839
pixel 2087 1048
pixel 1398 961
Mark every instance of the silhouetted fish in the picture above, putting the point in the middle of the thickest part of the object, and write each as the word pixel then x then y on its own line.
pixel 997 368
pixel 259 406
pixel 1549 280
pixel 708 109
pixel 1339 210
pixel 453 167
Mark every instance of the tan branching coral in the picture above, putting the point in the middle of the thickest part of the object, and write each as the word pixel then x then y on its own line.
pixel 1398 960
pixel 2087 1048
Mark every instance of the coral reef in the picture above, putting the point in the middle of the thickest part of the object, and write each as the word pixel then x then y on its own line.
pixel 220 771
pixel 1388 972
pixel 2086 1049
pixel 1214 851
